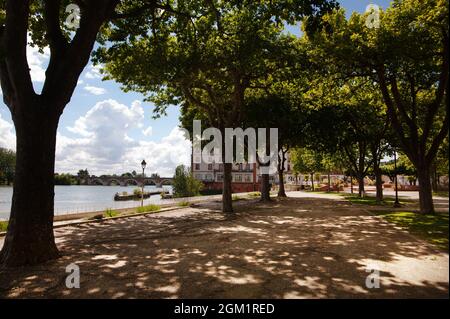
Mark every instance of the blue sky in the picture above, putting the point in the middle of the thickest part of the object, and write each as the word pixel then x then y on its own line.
pixel 109 131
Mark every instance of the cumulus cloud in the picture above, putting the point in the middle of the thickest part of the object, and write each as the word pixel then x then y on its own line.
pixel 93 72
pixel 148 131
pixel 95 90
pixel 37 62
pixel 7 134
pixel 103 144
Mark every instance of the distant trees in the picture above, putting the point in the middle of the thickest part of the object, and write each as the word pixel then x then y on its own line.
pixel 7 166
pixel 65 179
pixel 184 184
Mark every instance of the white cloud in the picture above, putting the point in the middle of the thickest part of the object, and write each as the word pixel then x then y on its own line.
pixel 7 134
pixel 37 62
pixel 103 144
pixel 94 72
pixel 148 131
pixel 95 90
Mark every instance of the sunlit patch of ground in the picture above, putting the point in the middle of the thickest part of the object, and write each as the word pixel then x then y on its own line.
pixel 299 247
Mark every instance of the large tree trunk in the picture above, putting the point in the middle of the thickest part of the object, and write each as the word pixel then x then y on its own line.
pixel 378 182
pixel 265 187
pixel 361 186
pixel 281 190
pixel 227 201
pixel 425 191
pixel 29 239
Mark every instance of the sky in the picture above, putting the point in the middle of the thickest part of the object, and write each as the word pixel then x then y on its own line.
pixel 109 131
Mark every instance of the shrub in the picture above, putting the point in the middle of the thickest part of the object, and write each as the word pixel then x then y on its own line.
pixel 3 226
pixel 184 184
pixel 236 197
pixel 184 204
pixel 148 208
pixel 255 194
pixel 137 191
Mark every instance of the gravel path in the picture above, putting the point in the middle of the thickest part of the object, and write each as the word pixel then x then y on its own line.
pixel 318 246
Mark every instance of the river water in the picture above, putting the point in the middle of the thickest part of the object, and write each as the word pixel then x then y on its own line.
pixel 79 199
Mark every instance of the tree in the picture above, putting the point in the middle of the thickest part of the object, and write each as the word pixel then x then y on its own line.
pixel 30 238
pixel 7 164
pixel 307 161
pixel 408 58
pixel 210 60
pixel 184 184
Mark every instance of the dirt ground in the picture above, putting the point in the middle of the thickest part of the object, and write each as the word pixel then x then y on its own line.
pixel 315 247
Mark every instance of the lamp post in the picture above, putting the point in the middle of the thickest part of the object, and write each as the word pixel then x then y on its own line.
pixel 143 164
pixel 396 203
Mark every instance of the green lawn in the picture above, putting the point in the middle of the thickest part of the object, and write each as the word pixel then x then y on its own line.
pixel 433 228
pixel 441 193
pixel 372 201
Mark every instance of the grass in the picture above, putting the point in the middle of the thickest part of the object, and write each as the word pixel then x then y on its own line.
pixel 3 226
pixel 148 208
pixel 183 204
pixel 441 193
pixel 111 213
pixel 235 198
pixel 254 194
pixel 433 228
pixel 372 201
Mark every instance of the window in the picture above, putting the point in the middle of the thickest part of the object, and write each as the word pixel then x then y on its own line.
pixel 219 177
pixel 238 178
pixel 248 178
pixel 210 167
pixel 197 167
pixel 221 167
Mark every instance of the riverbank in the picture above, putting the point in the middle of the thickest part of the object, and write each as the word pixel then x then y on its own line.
pixel 171 204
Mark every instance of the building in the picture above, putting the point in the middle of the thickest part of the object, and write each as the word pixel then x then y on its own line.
pixel 245 176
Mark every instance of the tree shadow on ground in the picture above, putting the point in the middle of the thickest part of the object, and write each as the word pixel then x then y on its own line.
pixel 291 248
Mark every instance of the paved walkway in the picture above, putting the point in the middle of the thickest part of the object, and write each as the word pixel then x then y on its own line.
pixel 318 246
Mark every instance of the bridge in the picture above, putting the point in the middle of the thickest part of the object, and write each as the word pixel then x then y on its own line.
pixel 126 181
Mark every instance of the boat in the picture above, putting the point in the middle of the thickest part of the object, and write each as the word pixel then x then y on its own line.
pixel 122 197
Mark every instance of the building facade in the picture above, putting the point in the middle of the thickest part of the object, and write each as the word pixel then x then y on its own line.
pixel 245 176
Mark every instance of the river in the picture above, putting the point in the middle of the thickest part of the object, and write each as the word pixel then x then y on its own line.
pixel 79 199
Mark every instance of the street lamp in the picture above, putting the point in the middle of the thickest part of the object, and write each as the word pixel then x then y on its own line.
pixel 143 164
pixel 396 203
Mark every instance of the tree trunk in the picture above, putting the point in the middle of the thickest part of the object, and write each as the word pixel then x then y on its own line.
pixel 351 184
pixel 312 182
pixel 329 183
pixel 227 201
pixel 265 187
pixel 378 182
pixel 425 191
pixel 361 186
pixel 281 190
pixel 30 239
pixel 434 182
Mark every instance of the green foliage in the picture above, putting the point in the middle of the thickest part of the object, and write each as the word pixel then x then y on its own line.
pixel 184 184
pixel 148 208
pixel 432 227
pixel 137 192
pixel 65 179
pixel 183 204
pixel 3 226
pixel 111 213
pixel 7 166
